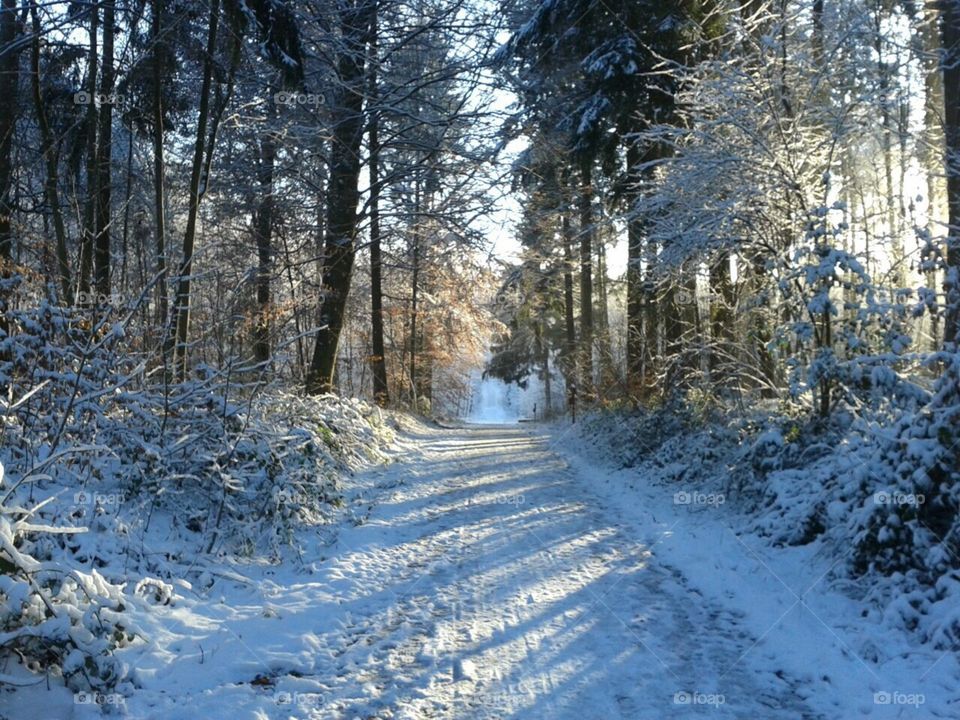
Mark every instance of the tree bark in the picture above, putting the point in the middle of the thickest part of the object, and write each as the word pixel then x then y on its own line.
pixel 90 215
pixel 378 363
pixel 50 151
pixel 159 200
pixel 415 301
pixel 635 303
pixel 101 252
pixel 181 303
pixel 9 77
pixel 950 33
pixel 586 276
pixel 263 229
pixel 343 193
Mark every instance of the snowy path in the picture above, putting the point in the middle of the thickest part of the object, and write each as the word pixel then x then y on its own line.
pixel 491 584
pixel 482 579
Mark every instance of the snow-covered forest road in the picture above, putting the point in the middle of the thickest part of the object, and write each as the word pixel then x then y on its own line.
pixel 506 590
pixel 498 572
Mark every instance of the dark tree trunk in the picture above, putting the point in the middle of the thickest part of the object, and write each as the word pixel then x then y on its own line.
pixel 378 363
pixel 181 303
pixel 263 229
pixel 159 201
pixel 635 296
pixel 721 313
pixel 415 303
pixel 90 214
pixel 101 253
pixel 950 30
pixel 9 76
pixel 569 309
pixel 343 192
pixel 586 276
pixel 50 151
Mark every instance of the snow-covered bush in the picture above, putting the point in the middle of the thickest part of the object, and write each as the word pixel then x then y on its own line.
pixel 115 474
pixel 911 520
pixel 57 619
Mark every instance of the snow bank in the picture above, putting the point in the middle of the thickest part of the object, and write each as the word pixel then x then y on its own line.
pixel 121 491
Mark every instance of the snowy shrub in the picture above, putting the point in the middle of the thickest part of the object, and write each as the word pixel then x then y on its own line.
pixel 115 474
pixel 910 521
pixel 65 622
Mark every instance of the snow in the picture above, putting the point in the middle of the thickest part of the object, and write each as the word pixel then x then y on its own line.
pixel 493 402
pixel 510 572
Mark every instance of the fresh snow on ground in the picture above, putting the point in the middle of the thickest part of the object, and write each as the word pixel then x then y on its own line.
pixel 494 402
pixel 502 571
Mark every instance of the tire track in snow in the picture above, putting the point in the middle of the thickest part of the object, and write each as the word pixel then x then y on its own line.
pixel 519 597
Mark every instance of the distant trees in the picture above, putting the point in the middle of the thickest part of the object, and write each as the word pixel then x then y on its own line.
pixel 773 172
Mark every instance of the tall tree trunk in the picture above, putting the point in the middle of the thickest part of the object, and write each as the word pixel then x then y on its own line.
pixel 181 302
pixel 50 151
pixel 932 149
pixel 343 192
pixel 890 191
pixel 635 334
pixel 950 29
pixel 586 275
pixel 378 363
pixel 722 336
pixel 125 235
pixel 101 254
pixel 816 12
pixel 9 77
pixel 263 229
pixel 570 346
pixel 415 299
pixel 90 215
pixel 159 201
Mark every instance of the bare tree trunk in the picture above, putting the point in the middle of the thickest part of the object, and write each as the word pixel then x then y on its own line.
pixel 950 29
pixel 127 193
pixel 343 193
pixel 635 303
pixel 415 299
pixel 883 74
pixel 101 254
pixel 608 370
pixel 586 276
pixel 9 77
pixel 90 216
pixel 159 201
pixel 570 348
pixel 181 303
pixel 263 229
pixel 50 151
pixel 378 363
